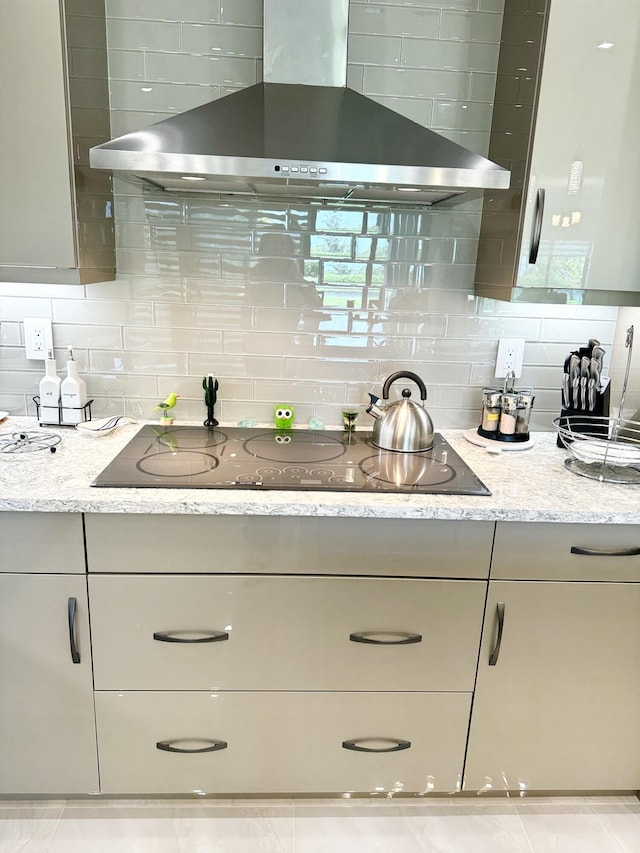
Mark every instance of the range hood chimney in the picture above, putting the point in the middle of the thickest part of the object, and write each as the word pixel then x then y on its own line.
pixel 302 133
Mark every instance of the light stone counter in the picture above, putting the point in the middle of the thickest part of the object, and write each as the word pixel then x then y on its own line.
pixel 528 485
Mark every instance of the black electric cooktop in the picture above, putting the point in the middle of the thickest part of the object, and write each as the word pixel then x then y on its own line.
pixel 303 460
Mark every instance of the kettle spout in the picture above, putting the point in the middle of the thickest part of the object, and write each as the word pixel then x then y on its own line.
pixel 373 409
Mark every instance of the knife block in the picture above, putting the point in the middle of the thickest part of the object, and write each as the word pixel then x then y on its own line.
pixel 601 410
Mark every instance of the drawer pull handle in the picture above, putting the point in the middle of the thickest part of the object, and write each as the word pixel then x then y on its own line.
pixel 536 231
pixel 594 552
pixel 71 615
pixel 493 658
pixel 356 745
pixel 213 746
pixel 171 636
pixel 385 638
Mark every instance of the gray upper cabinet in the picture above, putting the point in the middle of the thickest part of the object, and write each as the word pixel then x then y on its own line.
pixel 566 122
pixel 56 222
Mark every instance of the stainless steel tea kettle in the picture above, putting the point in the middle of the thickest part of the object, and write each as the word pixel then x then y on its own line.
pixel 402 425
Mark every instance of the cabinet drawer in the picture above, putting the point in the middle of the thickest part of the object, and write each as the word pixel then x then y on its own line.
pixel 288 545
pixel 590 552
pixel 41 542
pixel 284 633
pixel 280 742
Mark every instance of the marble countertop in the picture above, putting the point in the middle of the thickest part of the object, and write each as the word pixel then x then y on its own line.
pixel 526 485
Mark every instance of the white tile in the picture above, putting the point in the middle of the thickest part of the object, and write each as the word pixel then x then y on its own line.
pixel 176 340
pixel 373 18
pixel 270 343
pixel 15 404
pixel 176 828
pixel 471 26
pixel 121 385
pixel 202 316
pixel 82 335
pixel 10 334
pixel 31 291
pixel 203 70
pixel 244 12
pixel 27 828
pixel 311 369
pixel 222 40
pixel 330 393
pixel 431 828
pixel 377 50
pixel 450 55
pixel 153 362
pixel 264 367
pixel 582 330
pixel 571 828
pixel 98 311
pixel 188 10
pixel 411 82
pixel 16 308
pixel 150 35
pixel 150 96
pixel 623 822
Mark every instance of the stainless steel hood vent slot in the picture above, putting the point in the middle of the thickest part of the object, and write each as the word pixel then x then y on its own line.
pixel 301 139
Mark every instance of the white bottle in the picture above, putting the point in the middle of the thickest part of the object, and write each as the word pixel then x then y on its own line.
pixel 74 393
pixel 50 383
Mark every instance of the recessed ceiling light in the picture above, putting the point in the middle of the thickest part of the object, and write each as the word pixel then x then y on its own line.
pixel 192 178
pixel 408 189
pixel 605 45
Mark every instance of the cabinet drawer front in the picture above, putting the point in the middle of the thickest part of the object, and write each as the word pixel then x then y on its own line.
pixel 590 552
pixel 41 542
pixel 278 633
pixel 280 742
pixel 336 546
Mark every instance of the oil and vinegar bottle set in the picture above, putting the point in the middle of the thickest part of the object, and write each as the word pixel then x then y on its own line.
pixel 62 401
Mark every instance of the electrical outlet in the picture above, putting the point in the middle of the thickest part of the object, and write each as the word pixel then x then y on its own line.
pixel 38 337
pixel 510 355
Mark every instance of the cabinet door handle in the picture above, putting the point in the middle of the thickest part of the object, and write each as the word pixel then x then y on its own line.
pixel 377 638
pixel 71 615
pixel 357 745
pixel 615 552
pixel 213 746
pixel 493 657
pixel 210 636
pixel 536 231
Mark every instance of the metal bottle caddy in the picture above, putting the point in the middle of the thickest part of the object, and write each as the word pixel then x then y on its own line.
pixel 84 413
pixel 506 412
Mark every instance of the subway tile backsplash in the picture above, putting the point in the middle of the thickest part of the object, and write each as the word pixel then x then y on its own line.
pixel 296 303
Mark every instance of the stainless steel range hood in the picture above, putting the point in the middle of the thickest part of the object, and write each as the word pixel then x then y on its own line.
pixel 302 133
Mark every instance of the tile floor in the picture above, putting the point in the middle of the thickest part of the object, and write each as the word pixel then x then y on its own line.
pixel 451 825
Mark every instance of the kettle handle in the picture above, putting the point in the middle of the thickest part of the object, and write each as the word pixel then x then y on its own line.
pixel 404 374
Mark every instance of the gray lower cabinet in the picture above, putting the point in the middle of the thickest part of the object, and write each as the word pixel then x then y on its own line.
pixel 47 722
pixel 283 742
pixel 557 702
pixel 257 655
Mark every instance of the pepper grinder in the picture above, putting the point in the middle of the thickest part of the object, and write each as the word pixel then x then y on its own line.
pixel 210 385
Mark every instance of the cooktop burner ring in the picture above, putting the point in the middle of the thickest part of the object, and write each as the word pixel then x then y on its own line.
pixel 280 447
pixel 181 463
pixel 407 469
pixel 191 438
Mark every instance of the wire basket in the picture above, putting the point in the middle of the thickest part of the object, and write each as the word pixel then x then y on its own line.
pixel 604 449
